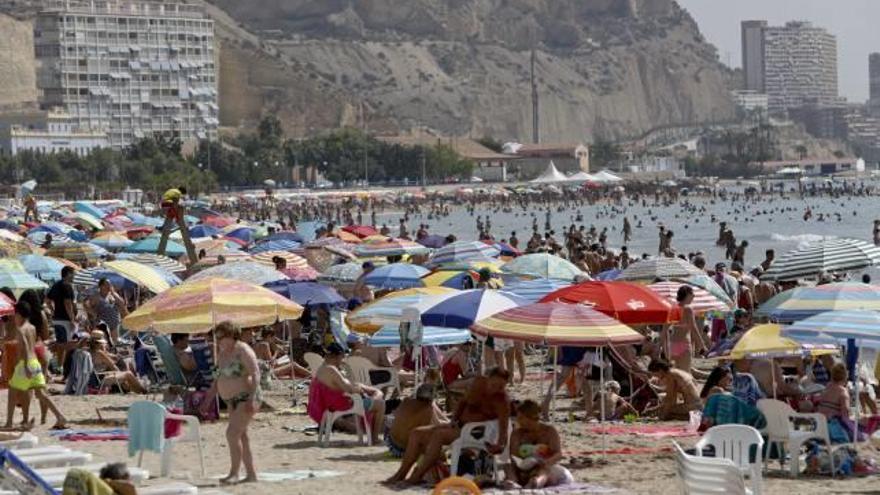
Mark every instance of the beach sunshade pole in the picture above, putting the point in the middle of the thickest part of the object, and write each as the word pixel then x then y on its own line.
pixel 553 382
pixel 602 397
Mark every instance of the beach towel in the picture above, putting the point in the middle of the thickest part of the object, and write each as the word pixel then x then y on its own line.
pixel 652 431
pixel 323 398
pixel 746 388
pixel 621 451
pixel 723 409
pixel 84 435
pixel 146 427
pixel 81 370
pixel 573 488
pixel 82 482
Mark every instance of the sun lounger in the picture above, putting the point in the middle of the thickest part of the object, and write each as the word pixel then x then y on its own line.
pixel 54 459
pixel 38 451
pixel 55 476
pixel 26 441
pixel 177 488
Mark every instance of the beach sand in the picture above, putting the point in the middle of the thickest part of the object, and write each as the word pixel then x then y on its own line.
pixel 279 450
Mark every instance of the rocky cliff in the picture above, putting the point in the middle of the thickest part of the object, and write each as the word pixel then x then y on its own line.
pixel 605 68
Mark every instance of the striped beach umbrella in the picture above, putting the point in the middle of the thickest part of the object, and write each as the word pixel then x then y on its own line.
pixel 78 252
pixel 766 341
pixel 307 293
pixel 388 310
pixel 396 276
pixel 709 285
pixel 7 306
pixel 361 231
pixel 838 327
pixel 244 271
pixel 389 336
pixel 89 277
pixel 535 289
pixel 20 281
pixel 301 274
pixel 393 247
pixel 112 241
pixel 39 238
pixel 279 245
pixel 543 265
pixel 463 309
pixel 659 268
pixel 557 323
pixel 629 303
pixel 162 262
pixel 200 305
pixel 151 278
pixel 830 255
pixel 804 302
pixel 88 220
pixel 42 267
pixel 293 261
pixel 464 251
pixel 343 273
pixel 151 245
pixel 703 301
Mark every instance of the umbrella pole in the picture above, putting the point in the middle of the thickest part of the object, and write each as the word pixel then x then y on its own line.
pixel 553 382
pixel 602 397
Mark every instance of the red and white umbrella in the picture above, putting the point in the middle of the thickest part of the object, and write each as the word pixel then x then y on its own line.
pixel 703 301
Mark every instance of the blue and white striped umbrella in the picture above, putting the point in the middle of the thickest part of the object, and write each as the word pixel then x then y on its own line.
pixel 397 276
pixel 42 267
pixel 463 309
pixel 803 302
pixel 20 281
pixel 831 255
pixel 39 237
pixel 535 290
pixel 343 273
pixel 389 336
pixel 203 230
pixel 278 245
pixel 473 251
pixel 863 326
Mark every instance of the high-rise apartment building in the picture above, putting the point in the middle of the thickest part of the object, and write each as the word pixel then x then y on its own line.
pixel 800 66
pixel 131 68
pixel 753 54
pixel 874 76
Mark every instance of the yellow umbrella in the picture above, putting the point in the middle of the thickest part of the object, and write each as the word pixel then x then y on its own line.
pixel 12 265
pixel 142 274
pixel 370 318
pixel 88 220
pixel 196 307
pixel 765 341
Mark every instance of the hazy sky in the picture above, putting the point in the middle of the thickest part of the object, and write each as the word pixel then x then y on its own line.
pixel 856 23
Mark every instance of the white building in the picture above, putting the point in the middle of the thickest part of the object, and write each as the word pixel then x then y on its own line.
pixel 134 68
pixel 751 101
pixel 50 131
pixel 831 166
pixel 800 66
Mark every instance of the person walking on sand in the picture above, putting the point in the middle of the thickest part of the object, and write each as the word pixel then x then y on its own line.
pixel 237 380
pixel 28 375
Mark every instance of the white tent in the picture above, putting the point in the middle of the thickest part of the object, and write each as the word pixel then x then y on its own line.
pixel 582 177
pixel 606 177
pixel 552 174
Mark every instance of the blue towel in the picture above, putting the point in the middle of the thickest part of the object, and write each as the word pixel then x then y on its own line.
pixel 746 388
pixel 146 427
pixel 723 409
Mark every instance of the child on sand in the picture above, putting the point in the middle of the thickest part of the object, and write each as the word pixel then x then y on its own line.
pixel 616 407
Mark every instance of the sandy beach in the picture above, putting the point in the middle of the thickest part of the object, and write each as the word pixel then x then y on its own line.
pixel 280 448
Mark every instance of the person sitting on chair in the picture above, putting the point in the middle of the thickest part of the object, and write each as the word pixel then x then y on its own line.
pixel 537 450
pixel 412 413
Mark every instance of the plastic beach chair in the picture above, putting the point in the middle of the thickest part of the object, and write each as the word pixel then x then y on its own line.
pixel 314 361
pixel 782 431
pixel 357 409
pixel 477 436
pixel 151 413
pixel 360 368
pixel 169 359
pixel 737 443
pixel 709 475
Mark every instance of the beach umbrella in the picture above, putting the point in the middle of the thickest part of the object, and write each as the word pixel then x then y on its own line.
pixel 112 241
pixel 240 233
pixel 88 221
pixel 464 251
pixel 301 274
pixel 151 245
pixel 90 277
pixel 454 279
pixel 198 306
pixel 307 294
pixel 659 268
pixel 342 273
pixel 389 336
pixel 535 289
pixel 506 249
pixel 767 342
pixel 543 265
pixel 831 255
pixel 279 245
pixel 557 323
pixel 143 220
pixel 144 275
pixel 89 208
pixel 388 310
pixel 39 238
pixel 394 247
pixel 12 264
pixel 703 301
pixel 245 271
pixel 284 235
pixel 42 267
pixel 707 283
pixel 78 252
pixel 293 260
pixel 862 326
pixel 230 257
pixel 347 237
pixel 463 309
pixel 360 231
pixel 629 303
pixel 164 263
pixel 219 221
pixel 609 275
pixel 803 302
pixel 203 230
pixel 12 249
pixel 6 235
pixel 396 276
pixel 432 241
pixel 7 305
pixel 19 281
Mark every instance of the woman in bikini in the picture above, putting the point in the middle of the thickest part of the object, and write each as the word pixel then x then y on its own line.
pixel 237 380
pixel 679 341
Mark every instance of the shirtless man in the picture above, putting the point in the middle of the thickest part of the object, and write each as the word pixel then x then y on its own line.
pixel 487 400
pixel 412 413
pixel 28 374
pixel 678 384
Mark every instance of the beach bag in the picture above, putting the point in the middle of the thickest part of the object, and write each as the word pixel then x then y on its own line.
pixel 192 406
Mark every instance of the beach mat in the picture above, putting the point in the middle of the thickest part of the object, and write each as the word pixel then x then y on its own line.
pixel 572 489
pixel 652 431
pixel 621 451
pixel 300 475
pixel 91 435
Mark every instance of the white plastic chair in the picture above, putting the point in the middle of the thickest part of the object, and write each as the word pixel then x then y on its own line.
pixel 734 442
pixel 190 432
pixel 782 431
pixel 477 436
pixel 708 475
pixel 356 409
pixel 314 362
pixel 360 368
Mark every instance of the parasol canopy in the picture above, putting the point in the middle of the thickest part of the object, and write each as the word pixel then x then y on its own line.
pixel 703 301
pixel 831 255
pixel 464 251
pixel 307 293
pixel 766 341
pixel 659 268
pixel 245 271
pixel 804 302
pixel 388 310
pixel 629 303
pixel 543 265
pixel 396 276
pixel 463 309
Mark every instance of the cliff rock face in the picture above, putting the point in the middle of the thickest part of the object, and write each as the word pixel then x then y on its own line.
pixel 605 68
pixel 17 73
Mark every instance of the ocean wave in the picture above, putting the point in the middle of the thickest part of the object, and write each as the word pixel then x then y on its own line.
pixel 800 239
